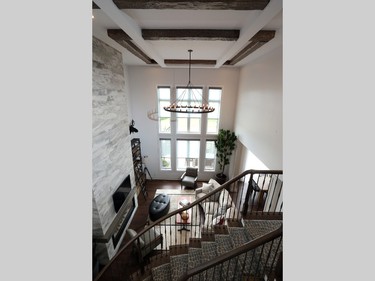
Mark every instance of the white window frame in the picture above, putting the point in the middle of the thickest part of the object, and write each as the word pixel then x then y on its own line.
pixel 202 137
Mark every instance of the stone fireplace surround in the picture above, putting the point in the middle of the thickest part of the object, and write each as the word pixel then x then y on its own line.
pixel 112 160
pixel 106 245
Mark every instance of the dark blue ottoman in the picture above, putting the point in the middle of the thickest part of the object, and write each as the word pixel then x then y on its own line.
pixel 159 207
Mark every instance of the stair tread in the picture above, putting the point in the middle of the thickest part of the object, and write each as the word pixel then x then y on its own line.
pixel 179 265
pixel 195 257
pixel 257 228
pixel 223 243
pixel 162 272
pixel 239 236
pixel 208 250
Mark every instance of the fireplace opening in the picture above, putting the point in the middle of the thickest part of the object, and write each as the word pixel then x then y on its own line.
pixel 128 213
pixel 121 193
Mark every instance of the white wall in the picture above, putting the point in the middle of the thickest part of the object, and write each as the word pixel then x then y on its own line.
pixel 143 97
pixel 259 109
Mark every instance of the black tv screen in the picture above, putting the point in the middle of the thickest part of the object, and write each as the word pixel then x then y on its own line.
pixel 120 194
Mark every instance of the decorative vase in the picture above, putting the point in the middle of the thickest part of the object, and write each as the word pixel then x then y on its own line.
pixel 184 216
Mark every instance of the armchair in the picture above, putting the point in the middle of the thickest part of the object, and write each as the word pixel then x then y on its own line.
pixel 146 243
pixel 189 177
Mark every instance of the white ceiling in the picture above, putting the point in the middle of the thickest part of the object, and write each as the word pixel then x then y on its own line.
pixel 132 21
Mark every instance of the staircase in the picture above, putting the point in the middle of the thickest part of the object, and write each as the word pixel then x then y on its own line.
pixel 181 258
pixel 247 247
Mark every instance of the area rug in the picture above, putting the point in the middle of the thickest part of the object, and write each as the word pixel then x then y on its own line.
pixel 173 233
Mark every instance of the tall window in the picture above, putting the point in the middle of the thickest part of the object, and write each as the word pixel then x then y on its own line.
pixel 189 140
pixel 165 154
pixel 164 97
pixel 213 118
pixel 210 157
pixel 187 154
pixel 189 123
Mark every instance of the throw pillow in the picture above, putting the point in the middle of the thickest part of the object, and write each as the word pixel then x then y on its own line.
pixel 207 187
pixel 214 183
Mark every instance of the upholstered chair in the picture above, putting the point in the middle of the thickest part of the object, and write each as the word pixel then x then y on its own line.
pixel 189 177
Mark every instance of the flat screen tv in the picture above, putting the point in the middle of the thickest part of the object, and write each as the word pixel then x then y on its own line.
pixel 121 192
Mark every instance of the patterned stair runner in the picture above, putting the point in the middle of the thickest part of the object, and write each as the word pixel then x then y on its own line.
pixel 230 238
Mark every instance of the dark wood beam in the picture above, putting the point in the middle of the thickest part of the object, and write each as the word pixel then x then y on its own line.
pixel 118 34
pixel 257 41
pixel 190 34
pixel 263 36
pixel 251 47
pixel 124 40
pixel 191 5
pixel 202 62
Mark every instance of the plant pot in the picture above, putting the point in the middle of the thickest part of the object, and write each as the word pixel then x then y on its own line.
pixel 221 178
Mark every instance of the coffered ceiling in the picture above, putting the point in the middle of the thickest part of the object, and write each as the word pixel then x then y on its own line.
pixel 220 33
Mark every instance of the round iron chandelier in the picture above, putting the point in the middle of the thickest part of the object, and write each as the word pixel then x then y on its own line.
pixel 195 102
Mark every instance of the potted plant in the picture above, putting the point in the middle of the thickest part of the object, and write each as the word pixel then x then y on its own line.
pixel 225 144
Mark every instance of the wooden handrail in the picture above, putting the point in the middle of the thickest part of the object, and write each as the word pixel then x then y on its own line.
pixel 196 202
pixel 233 253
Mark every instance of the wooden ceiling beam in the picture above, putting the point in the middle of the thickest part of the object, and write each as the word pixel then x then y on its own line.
pixel 257 41
pixel 191 5
pixel 191 34
pixel 124 40
pixel 250 28
pixel 263 36
pixel 178 61
pixel 118 34
pixel 251 47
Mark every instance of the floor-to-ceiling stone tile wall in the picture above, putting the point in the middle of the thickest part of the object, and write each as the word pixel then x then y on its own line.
pixel 111 148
